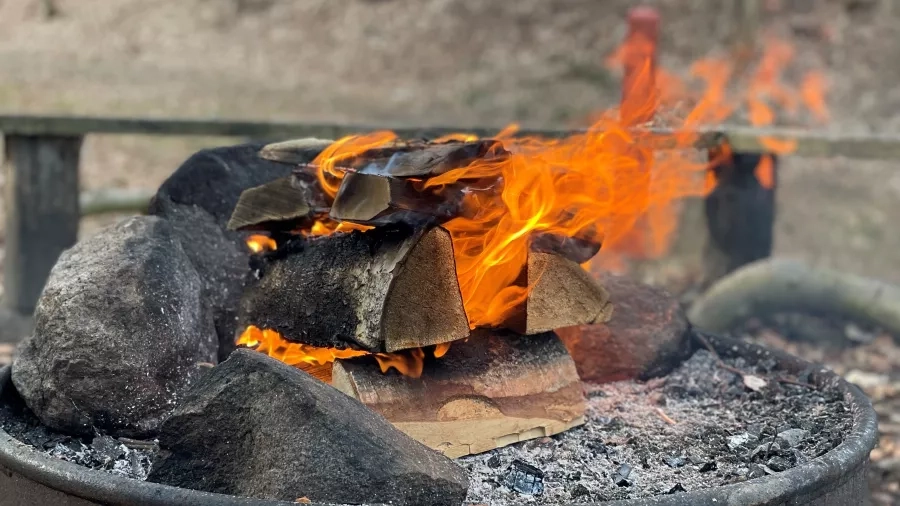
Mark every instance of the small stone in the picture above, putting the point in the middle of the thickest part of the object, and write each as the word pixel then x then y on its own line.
pixel 524 478
pixel 791 438
pixel 708 466
pixel 580 491
pixel 494 461
pixel 678 487
pixel 738 440
pixel 622 474
pixel 673 461
pixel 755 471
pixel 778 464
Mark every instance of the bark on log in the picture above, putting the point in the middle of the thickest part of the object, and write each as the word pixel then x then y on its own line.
pixel 382 290
pixel 492 390
pixel 562 295
pixel 772 286
pixel 294 152
pixel 282 204
pixel 375 200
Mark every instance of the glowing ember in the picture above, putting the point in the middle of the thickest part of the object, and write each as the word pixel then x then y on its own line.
pixel 258 243
pixel 317 361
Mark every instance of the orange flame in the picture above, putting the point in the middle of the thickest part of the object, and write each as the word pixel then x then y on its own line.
pixel 257 243
pixel 607 184
pixel 317 361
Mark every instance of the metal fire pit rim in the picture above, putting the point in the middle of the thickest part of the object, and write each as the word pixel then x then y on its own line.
pixel 813 479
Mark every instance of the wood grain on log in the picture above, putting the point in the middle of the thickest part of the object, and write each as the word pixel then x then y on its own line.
pixel 562 295
pixel 382 290
pixel 494 389
pixel 646 336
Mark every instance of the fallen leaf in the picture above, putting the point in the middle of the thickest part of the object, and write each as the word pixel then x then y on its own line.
pixel 754 383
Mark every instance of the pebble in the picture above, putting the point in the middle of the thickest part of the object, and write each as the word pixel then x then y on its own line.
pixel 791 438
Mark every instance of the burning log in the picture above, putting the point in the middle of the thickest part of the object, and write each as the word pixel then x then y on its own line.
pixel 280 205
pixel 387 289
pixel 492 390
pixel 576 249
pixel 371 199
pixel 562 295
pixel 419 159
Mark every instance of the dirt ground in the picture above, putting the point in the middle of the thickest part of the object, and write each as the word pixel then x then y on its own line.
pixel 445 62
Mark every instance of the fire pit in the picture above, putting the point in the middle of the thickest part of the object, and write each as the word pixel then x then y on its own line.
pixel 448 325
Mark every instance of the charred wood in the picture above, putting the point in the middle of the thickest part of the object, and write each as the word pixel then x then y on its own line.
pixel 283 204
pixel 494 389
pixel 294 152
pixel 387 289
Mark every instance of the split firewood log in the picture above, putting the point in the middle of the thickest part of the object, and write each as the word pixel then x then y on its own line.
pixel 374 200
pixel 562 295
pixel 576 249
pixel 294 152
pixel 409 159
pixel 282 204
pixel 777 285
pixel 491 390
pixel 386 289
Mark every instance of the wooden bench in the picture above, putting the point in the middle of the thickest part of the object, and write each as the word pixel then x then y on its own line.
pixel 42 159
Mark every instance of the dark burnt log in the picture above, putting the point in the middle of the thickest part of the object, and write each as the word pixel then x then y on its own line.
pixel 386 289
pixel 491 390
pixel 283 204
pixel 374 200
pixel 646 337
pixel 562 295
pixel 294 152
pixel 417 159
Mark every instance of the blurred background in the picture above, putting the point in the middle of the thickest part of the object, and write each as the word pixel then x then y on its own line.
pixel 478 63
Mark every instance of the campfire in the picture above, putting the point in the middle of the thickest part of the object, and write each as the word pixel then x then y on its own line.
pixel 382 263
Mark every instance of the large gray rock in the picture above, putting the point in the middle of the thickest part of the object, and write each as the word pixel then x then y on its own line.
pixel 256 427
pixel 198 199
pixel 119 332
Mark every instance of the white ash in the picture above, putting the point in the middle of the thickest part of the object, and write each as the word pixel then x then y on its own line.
pixel 723 433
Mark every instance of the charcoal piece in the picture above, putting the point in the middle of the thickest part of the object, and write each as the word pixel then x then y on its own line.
pixel 375 200
pixel 198 200
pixel 524 478
pixel 314 442
pixel 673 461
pixel 791 438
pixel 106 450
pixel 622 474
pixel 755 471
pixel 494 461
pixel 580 491
pixel 778 464
pixel 678 487
pixel 708 466
pixel 647 335
pixel 119 331
pixel 739 440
